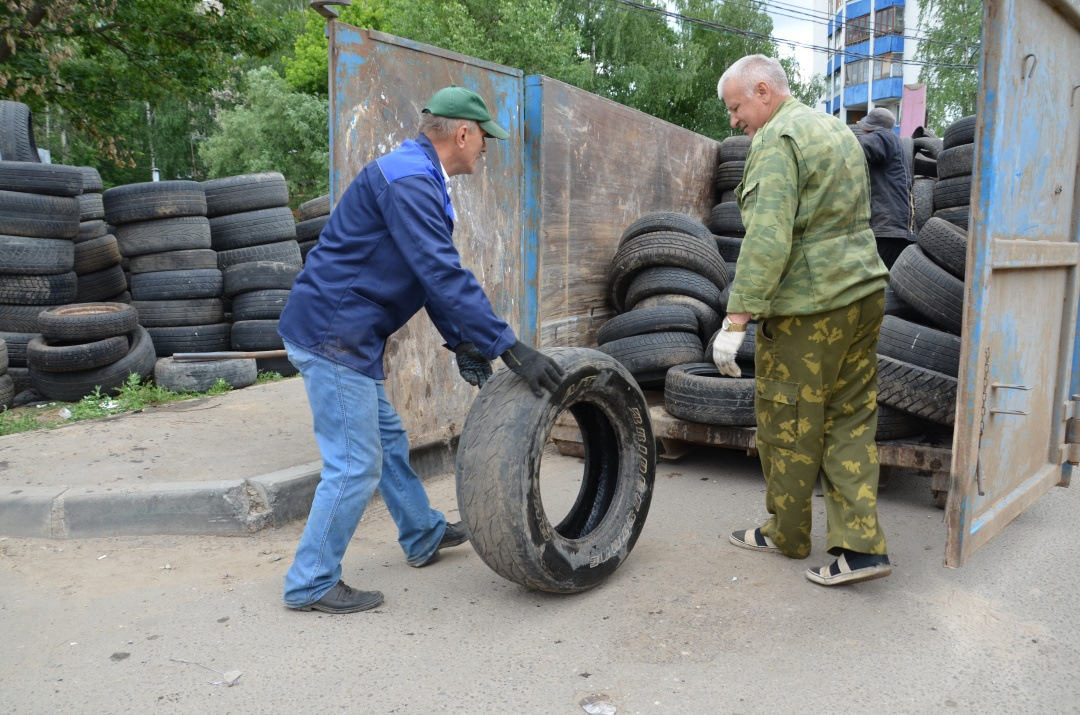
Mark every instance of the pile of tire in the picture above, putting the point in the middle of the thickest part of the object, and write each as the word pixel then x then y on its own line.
pixel 313 216
pixel 17 133
pixel 39 222
pixel 162 230
pixel 84 347
pixel 925 150
pixel 725 220
pixel 952 192
pixel 665 283
pixel 251 223
pixel 98 263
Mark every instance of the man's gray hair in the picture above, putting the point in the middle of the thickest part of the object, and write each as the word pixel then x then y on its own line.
pixel 437 128
pixel 752 69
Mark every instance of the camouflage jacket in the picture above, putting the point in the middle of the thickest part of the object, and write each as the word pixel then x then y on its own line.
pixel 805 201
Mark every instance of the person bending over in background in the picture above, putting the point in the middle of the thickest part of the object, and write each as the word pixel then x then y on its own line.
pixel 892 214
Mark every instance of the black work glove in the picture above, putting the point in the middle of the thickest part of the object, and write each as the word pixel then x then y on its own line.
pixel 537 368
pixel 473 366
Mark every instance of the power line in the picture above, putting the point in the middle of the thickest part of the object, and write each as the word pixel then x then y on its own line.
pixel 719 27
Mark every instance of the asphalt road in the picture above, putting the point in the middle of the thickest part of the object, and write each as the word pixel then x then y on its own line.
pixel 689 624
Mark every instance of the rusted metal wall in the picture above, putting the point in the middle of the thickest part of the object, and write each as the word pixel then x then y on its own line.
pixel 378 85
pixel 591 168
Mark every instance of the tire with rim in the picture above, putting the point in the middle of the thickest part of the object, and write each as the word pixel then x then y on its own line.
pixel 245 192
pixel 258 275
pixel 87 321
pixel 184 233
pixel 194 376
pixel 928 288
pixel 659 319
pixel 41 355
pixel 38 216
pixel 665 221
pixel 697 392
pixel 153 200
pixel 73 386
pixel 21 255
pixel 916 390
pixel 498 474
pixel 664 248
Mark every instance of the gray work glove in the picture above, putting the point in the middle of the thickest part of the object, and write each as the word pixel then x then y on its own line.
pixel 473 366
pixel 726 343
pixel 541 372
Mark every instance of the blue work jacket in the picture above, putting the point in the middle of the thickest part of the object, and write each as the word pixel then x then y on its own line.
pixel 385 253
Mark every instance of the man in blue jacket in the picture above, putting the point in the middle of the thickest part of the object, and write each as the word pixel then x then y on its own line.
pixel 892 213
pixel 385 253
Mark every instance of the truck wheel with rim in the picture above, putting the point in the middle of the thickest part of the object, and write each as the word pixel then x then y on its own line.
pixel 498 474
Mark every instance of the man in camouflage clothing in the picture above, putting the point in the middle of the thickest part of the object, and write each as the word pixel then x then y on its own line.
pixel 810 273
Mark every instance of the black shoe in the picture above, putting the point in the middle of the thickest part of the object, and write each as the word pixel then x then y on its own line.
pixel 343 598
pixel 453 536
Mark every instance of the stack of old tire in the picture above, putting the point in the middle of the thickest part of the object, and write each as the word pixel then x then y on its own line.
pixel 254 233
pixel 665 283
pixel 313 216
pixel 162 230
pixel 39 222
pixel 98 263
pixel 926 148
pixel 919 352
pixel 725 221
pixel 86 347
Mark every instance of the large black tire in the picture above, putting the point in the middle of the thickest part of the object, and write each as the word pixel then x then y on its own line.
pixel 91 180
pixel 946 245
pixel 21 318
pixel 39 289
pixel 653 352
pixel 21 255
pixel 928 288
pixel 40 355
pixel 729 248
pixel 664 248
pixel 962 131
pixel 664 280
pixel 952 192
pixel 305 248
pixel 729 175
pixel 87 321
pixel 73 386
pixel 191 260
pixel 956 161
pixel 919 345
pixel 726 220
pixel 247 192
pixel 176 285
pixel 282 252
pixel 258 275
pixel 697 392
pixel 895 424
pixel 32 177
pixel 256 335
pixel 956 215
pixel 91 207
pixel 924 166
pixel 212 338
pixel 498 474
pixel 924 393
pixel 100 285
pixel 172 313
pixel 16 347
pixel 17 132
pixel 922 196
pixel 252 228
pixel 314 208
pixel 97 254
pixel 185 233
pixel 94 228
pixel 39 216
pixel 153 200
pixel 311 229
pixel 659 319
pixel 259 305
pixel 196 376
pixel 665 221
pixel 709 319
pixel 735 148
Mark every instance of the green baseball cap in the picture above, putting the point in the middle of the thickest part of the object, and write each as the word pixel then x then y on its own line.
pixel 460 103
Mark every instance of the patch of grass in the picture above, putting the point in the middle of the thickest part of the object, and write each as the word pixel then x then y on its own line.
pixel 266 376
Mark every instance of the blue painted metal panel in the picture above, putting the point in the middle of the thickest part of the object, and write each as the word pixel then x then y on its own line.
pixel 857 52
pixel 882 4
pixel 832 28
pixel 855 94
pixel 889 43
pixel 889 88
pixel 857 9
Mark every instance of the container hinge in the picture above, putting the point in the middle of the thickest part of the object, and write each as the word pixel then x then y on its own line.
pixel 1072 431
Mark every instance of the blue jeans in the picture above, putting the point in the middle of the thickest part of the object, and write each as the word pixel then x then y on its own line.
pixel 364 447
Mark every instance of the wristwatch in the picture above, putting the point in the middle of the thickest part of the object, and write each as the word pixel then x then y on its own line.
pixel 731 327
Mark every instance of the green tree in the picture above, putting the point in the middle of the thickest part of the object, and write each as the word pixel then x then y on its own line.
pixel 273 128
pixel 952 47
pixel 307 70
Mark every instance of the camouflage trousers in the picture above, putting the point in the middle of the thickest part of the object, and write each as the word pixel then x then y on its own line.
pixel 816 404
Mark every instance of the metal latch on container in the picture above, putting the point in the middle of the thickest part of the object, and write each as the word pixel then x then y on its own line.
pixel 1072 431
